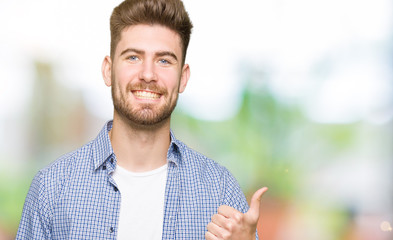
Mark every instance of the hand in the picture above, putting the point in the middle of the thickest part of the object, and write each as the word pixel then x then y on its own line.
pixel 231 224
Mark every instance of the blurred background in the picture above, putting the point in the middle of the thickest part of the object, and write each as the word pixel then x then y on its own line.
pixel 296 95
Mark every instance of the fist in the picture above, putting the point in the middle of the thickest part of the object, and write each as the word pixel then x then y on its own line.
pixel 229 223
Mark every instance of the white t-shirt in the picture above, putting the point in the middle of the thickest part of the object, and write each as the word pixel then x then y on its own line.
pixel 142 203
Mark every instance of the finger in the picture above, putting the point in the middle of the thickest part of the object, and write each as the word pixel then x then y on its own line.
pixel 213 228
pixel 253 213
pixel 217 231
pixel 210 236
pixel 228 224
pixel 220 220
pixel 227 211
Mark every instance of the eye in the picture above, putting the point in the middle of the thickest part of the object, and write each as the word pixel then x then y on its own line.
pixel 164 61
pixel 133 58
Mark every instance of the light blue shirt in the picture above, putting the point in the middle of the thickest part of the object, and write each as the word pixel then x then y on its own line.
pixel 76 197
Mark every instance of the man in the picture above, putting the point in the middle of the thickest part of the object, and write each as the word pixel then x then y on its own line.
pixel 136 180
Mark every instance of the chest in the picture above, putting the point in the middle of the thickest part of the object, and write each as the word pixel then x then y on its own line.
pixel 89 207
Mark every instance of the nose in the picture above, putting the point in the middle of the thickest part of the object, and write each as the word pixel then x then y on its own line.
pixel 147 72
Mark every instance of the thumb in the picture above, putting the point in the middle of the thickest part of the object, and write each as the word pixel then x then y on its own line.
pixel 253 213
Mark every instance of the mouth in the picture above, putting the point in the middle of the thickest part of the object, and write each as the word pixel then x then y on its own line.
pixel 148 95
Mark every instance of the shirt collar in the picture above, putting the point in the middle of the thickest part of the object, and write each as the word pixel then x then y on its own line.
pixel 173 154
pixel 102 147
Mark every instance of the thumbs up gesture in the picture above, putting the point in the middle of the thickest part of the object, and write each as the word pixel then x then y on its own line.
pixel 229 223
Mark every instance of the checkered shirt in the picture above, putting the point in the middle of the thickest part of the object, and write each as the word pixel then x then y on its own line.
pixel 76 197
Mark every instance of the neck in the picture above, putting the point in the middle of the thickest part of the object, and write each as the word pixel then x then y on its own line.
pixel 139 148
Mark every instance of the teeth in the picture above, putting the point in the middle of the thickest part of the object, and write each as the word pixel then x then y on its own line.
pixel 146 95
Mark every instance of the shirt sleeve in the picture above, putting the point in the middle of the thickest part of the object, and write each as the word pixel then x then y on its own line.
pixel 233 196
pixel 34 223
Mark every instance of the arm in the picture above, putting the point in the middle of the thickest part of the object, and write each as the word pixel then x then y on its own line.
pixel 232 220
pixel 34 223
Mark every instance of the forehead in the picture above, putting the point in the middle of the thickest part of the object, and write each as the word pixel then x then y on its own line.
pixel 150 39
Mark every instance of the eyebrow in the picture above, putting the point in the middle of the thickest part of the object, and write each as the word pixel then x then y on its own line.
pixel 166 53
pixel 132 50
pixel 158 54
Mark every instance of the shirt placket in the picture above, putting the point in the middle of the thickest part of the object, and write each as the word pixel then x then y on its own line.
pixel 172 191
pixel 114 200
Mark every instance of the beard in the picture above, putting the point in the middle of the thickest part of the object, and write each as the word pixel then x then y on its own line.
pixel 146 114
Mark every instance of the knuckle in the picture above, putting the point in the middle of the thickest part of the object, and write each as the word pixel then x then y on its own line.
pixel 226 235
pixel 238 217
pixel 230 226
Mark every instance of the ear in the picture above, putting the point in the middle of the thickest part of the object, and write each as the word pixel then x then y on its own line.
pixel 185 75
pixel 106 70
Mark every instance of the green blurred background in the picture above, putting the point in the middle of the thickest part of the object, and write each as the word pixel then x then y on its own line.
pixel 293 95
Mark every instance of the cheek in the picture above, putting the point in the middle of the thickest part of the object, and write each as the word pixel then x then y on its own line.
pixel 171 79
pixel 126 72
pixel 123 76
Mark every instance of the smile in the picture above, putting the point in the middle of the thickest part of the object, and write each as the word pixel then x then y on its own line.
pixel 146 95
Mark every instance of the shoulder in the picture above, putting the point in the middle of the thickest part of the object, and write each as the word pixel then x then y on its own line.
pixel 207 169
pixel 43 194
pixel 66 162
pixel 211 175
pixel 193 160
pixel 50 179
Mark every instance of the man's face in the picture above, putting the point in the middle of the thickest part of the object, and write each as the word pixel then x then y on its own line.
pixel 146 74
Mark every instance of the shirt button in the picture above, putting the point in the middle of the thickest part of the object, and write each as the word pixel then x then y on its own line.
pixel 111 229
pixel 111 160
pixel 115 188
pixel 104 167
